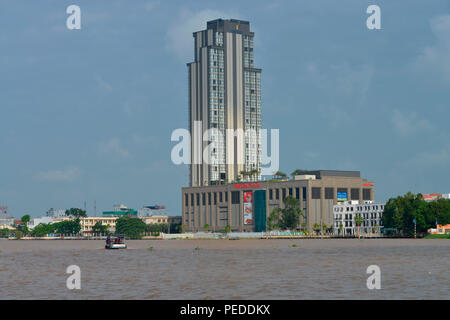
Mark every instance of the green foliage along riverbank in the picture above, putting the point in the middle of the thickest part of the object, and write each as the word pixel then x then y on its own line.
pixel 400 212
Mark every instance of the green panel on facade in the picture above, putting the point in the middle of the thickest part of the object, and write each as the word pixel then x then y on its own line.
pixel 260 211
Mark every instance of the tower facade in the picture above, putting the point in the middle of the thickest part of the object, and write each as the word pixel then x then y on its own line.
pixel 224 101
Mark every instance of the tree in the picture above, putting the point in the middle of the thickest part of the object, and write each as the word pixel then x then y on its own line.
pixel 131 227
pixel 25 219
pixel 5 233
pixel 244 174
pixel 156 228
pixel 288 217
pixel 68 227
pixel 273 221
pixel 254 174
pixel 304 225
pixel 358 221
pixel 100 228
pixel 439 211
pixel 76 212
pixel 280 175
pixel 227 229
pixel 43 229
pixel 316 227
pixel 400 212
pixel 290 214
pixel 297 172
pixel 183 228
pixel 206 227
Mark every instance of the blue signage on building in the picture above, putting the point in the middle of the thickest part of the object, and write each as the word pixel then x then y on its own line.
pixel 342 196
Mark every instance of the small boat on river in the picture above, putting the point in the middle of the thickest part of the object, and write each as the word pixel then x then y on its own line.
pixel 115 241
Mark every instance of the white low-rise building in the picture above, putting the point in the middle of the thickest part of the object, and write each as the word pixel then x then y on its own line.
pixel 36 221
pixel 346 212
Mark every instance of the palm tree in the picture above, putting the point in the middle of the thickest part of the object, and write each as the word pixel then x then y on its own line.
pixel 255 173
pixel 358 221
pixel 316 227
pixel 280 175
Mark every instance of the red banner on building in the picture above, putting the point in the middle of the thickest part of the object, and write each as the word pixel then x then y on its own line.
pixel 248 207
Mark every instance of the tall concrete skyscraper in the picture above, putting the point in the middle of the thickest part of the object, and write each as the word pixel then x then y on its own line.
pixel 224 93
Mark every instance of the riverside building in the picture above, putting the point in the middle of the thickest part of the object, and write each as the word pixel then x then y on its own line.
pixel 224 93
pixel 346 212
pixel 246 206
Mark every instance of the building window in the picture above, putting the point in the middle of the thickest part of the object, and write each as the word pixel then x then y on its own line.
pixel 215 198
pixel 290 192
pixel 186 199
pixel 366 194
pixel 284 193
pixel 329 193
pixel 220 197
pixel 270 194
pixel 354 193
pixel 235 197
pixel 277 194
pixel 204 199
pixel 209 198
pixel 226 196
pixel 297 193
pixel 304 193
pixel 198 199
pixel 315 193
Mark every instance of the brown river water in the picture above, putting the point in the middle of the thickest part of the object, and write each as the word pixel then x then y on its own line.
pixel 226 269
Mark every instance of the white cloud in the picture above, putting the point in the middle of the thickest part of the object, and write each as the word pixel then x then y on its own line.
pixel 114 147
pixel 179 35
pixel 436 58
pixel 68 174
pixel 407 124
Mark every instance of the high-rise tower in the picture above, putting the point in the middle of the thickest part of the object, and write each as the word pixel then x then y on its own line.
pixel 225 93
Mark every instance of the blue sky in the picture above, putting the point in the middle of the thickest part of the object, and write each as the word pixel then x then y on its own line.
pixel 87 114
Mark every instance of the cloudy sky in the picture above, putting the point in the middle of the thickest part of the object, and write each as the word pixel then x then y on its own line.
pixel 88 114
